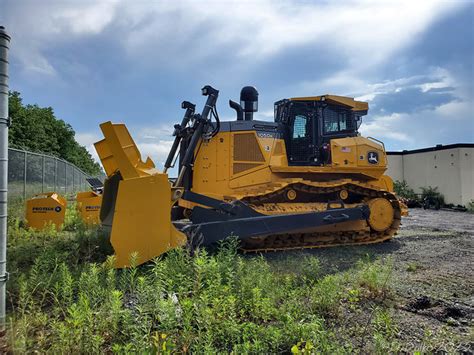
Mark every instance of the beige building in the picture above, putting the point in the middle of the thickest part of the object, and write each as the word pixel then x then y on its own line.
pixel 448 167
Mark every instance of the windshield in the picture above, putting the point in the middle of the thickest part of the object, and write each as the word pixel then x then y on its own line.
pixel 337 120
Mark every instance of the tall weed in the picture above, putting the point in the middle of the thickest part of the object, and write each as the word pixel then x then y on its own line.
pixel 68 298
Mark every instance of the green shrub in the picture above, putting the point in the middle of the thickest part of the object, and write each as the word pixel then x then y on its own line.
pixel 431 197
pixel 470 206
pixel 402 189
pixel 412 267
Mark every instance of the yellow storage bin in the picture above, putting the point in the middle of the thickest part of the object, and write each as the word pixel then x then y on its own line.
pixel 46 208
pixel 88 205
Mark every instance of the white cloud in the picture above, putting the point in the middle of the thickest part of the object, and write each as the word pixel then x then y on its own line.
pixel 422 128
pixel 458 111
pixel 36 27
pixel 87 139
pixel 157 151
pixel 391 127
pixel 366 32
pixel 154 142
pixel 89 18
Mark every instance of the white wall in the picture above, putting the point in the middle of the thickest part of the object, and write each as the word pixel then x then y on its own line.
pixel 451 170
pixel 395 167
pixel 466 159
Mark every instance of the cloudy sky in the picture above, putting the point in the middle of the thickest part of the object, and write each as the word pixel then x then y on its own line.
pixel 135 61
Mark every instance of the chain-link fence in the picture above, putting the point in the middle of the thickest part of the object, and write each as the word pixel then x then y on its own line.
pixel 32 173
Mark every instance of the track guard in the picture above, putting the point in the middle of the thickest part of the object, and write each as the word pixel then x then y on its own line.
pixel 223 219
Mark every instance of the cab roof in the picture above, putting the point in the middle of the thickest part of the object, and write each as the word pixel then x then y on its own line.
pixel 348 102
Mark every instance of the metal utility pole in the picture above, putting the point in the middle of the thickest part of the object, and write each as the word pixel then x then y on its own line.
pixel 4 124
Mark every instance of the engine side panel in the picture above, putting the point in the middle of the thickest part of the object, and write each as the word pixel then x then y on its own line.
pixel 238 162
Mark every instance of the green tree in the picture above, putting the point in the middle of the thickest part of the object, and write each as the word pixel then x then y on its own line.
pixel 37 129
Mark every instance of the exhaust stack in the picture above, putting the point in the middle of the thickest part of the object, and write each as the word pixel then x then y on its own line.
pixel 249 101
pixel 248 104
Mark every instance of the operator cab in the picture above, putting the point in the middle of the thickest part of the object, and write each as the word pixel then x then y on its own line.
pixel 309 124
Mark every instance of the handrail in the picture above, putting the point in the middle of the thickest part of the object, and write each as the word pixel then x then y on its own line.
pixel 380 142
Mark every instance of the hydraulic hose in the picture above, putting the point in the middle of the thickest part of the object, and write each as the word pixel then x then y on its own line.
pixel 177 133
pixel 200 122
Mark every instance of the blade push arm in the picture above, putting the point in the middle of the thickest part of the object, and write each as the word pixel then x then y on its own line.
pixel 178 132
pixel 200 122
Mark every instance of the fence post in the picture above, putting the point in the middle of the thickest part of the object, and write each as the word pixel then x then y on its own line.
pixel 65 178
pixel 56 175
pixel 42 178
pixel 24 176
pixel 4 124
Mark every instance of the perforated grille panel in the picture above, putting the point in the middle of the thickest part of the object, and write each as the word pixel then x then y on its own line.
pixel 246 148
pixel 239 167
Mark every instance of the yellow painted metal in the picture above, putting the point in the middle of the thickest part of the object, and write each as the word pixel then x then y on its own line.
pixel 88 204
pixel 45 209
pixel 118 152
pixel 291 195
pixel 221 171
pixel 343 194
pixel 351 154
pixel 142 218
pixel 294 207
pixel 404 209
pixel 338 100
pixel 381 214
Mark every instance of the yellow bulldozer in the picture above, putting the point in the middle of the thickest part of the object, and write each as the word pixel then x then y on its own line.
pixel 306 180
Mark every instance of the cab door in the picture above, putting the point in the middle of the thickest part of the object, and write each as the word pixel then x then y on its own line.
pixel 302 137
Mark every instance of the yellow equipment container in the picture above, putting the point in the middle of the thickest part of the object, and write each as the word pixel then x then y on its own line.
pixel 45 209
pixel 88 204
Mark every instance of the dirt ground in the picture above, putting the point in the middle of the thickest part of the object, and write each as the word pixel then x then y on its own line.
pixel 432 280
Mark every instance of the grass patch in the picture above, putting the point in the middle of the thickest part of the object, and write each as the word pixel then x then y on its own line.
pixel 412 267
pixel 64 296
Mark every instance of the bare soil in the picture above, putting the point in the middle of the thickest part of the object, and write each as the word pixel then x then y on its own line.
pixel 434 279
pixel 432 298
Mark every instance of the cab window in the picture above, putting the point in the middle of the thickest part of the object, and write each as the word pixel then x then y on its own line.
pixel 336 121
pixel 299 126
pixel 342 121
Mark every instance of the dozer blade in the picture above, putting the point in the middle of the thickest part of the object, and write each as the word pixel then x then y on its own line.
pixel 138 207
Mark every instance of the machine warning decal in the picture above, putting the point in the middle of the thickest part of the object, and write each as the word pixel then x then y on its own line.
pixel 373 157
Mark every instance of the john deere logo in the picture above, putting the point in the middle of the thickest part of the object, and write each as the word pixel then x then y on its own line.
pixel 57 209
pixel 373 157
